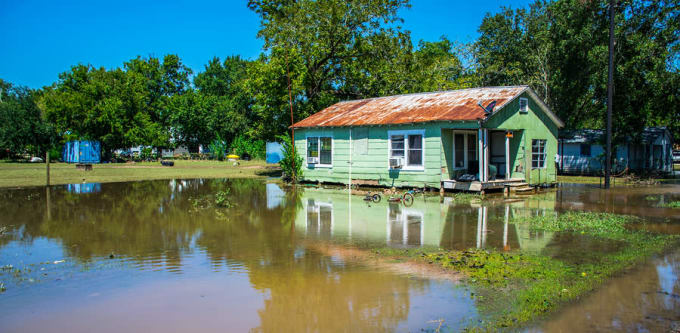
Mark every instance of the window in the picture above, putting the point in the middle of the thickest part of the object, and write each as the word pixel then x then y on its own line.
pixel 326 146
pixel 459 145
pixel 320 150
pixel 397 146
pixel 585 150
pixel 465 149
pixel 538 154
pixel 415 150
pixel 312 147
pixel 523 105
pixel 407 145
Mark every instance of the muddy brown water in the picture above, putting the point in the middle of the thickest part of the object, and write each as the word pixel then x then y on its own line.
pixel 158 256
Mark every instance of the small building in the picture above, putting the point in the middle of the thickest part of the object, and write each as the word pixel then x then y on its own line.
pixel 274 152
pixel 469 139
pixel 82 152
pixel 582 152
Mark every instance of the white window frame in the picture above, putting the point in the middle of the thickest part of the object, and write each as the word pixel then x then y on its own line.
pixel 545 154
pixel 526 104
pixel 466 139
pixel 406 133
pixel 318 136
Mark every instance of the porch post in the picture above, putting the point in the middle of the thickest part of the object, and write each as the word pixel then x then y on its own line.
pixel 480 153
pixel 486 155
pixel 507 156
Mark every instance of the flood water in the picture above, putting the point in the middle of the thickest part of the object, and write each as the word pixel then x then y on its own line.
pixel 158 256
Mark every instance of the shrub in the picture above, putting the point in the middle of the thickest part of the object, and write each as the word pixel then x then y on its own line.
pixel 218 149
pixel 291 163
pixel 243 145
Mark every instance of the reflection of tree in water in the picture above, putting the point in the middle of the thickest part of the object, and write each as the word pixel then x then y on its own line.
pixel 156 223
pixel 315 293
pixel 643 299
pixel 307 291
pixel 140 220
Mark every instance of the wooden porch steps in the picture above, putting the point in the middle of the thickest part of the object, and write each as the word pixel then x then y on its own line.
pixel 522 184
pixel 520 188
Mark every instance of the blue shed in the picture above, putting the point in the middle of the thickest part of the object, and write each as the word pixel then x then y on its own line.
pixel 82 152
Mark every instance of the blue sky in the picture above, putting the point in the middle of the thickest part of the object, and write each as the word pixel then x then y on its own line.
pixel 40 39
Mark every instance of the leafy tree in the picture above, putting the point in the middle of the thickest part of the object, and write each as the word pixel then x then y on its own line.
pixel 224 83
pixel 560 49
pixel 333 50
pixel 22 127
pixel 120 108
pixel 162 80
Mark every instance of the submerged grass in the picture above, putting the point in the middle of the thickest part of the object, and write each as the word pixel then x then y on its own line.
pixel 513 288
pixel 672 204
pixel 466 197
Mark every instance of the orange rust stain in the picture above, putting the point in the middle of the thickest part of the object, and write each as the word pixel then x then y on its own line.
pixel 455 105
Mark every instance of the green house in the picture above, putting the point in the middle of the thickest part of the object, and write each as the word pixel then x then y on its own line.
pixel 469 139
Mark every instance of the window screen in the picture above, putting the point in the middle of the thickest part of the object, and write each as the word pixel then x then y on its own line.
pixel 397 146
pixel 326 153
pixel 415 150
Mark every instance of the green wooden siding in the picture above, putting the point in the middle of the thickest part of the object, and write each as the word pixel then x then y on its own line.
pixel 534 124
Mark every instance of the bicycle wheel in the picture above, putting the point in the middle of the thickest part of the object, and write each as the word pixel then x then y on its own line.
pixel 407 199
pixel 377 197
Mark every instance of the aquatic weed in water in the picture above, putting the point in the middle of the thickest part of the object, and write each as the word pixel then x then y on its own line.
pixel 222 199
pixel 672 204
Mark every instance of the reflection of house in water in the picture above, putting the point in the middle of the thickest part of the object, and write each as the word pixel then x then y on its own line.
pixel 319 218
pixel 404 226
pixel 448 225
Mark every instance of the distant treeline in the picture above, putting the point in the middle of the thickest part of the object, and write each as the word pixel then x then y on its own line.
pixel 338 50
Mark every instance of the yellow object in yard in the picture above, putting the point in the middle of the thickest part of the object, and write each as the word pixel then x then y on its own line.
pixel 232 156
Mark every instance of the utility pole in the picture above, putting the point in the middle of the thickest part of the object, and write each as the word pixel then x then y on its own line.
pixel 610 95
pixel 47 167
pixel 292 129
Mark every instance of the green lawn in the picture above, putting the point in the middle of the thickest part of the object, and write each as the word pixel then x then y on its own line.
pixel 579 179
pixel 33 174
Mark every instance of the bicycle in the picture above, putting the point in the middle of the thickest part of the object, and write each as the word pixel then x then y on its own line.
pixel 407 198
pixel 375 197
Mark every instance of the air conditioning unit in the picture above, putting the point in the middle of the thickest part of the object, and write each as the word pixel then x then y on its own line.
pixel 396 162
pixel 312 160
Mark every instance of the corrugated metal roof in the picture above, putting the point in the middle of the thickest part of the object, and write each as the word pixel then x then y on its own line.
pixel 596 136
pixel 455 105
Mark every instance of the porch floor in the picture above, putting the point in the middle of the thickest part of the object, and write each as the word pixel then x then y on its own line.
pixel 477 186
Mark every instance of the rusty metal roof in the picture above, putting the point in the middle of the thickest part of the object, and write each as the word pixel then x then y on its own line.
pixel 455 105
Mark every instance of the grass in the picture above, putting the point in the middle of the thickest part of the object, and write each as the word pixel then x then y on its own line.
pixel 588 180
pixel 578 179
pixel 30 174
pixel 514 288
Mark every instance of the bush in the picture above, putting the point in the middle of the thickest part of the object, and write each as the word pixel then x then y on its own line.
pixel 147 154
pixel 218 149
pixel 291 163
pixel 243 146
